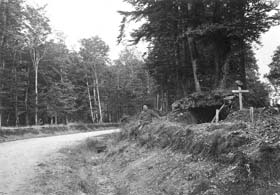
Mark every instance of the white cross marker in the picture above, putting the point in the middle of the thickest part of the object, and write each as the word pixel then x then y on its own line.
pixel 240 91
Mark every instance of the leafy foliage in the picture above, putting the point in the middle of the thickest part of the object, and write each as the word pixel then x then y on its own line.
pixel 199 44
pixel 274 74
pixel 196 45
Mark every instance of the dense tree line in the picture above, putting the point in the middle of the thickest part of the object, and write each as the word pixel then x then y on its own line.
pixel 201 45
pixel 42 81
pixel 194 46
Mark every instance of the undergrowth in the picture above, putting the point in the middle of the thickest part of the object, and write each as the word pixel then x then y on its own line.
pixel 166 158
pixel 241 160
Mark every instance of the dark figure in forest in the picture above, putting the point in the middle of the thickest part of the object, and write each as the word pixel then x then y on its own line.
pixel 145 118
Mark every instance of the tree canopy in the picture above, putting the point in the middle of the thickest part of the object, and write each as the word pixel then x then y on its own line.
pixel 194 46
pixel 199 45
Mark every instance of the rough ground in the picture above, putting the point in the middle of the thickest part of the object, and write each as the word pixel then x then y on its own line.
pixel 235 157
pixel 19 159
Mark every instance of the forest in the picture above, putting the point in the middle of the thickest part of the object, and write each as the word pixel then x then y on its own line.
pixel 193 46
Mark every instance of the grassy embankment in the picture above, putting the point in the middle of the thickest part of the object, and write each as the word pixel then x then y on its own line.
pixel 16 133
pixel 230 158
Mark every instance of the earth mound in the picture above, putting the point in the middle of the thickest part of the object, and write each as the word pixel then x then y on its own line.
pixel 201 107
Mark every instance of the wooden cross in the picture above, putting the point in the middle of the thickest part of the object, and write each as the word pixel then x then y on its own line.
pixel 240 91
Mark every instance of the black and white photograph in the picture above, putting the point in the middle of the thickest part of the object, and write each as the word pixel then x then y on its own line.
pixel 139 97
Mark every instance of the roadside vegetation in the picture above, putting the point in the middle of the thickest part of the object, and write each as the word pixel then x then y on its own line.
pixel 233 157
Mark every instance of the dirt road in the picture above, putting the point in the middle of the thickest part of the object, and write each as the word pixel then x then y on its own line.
pixel 19 159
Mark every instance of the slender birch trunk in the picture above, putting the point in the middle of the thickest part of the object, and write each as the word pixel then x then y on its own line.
pixel 225 71
pixel 217 68
pixel 98 97
pixel 36 94
pixel 26 97
pixel 90 103
pixel 36 58
pixel 94 95
pixel 194 64
pixel 16 95
pixel 1 87
pixel 35 61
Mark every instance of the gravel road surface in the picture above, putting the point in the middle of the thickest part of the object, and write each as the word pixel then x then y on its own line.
pixel 19 159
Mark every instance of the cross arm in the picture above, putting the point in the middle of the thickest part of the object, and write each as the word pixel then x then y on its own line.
pixel 240 91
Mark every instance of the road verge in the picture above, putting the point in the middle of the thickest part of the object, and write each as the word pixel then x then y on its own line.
pixel 18 133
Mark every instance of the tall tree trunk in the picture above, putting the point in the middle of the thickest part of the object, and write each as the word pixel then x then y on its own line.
pixel 8 118
pixel 35 62
pixel 1 105
pixel 1 88
pixel 0 117
pixel 36 94
pixel 193 58
pixel 180 61
pixel 94 103
pixel 157 101
pixel 56 118
pixel 217 68
pixel 90 103
pixel 194 64
pixel 162 102
pixel 26 96
pixel 94 92
pixel 148 83
pixel 242 65
pixel 98 97
pixel 3 3
pixel 16 93
pixel 242 44
pixel 36 57
pixel 223 82
pixel 0 112
pixel 16 110
pixel 185 63
pixel 94 95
